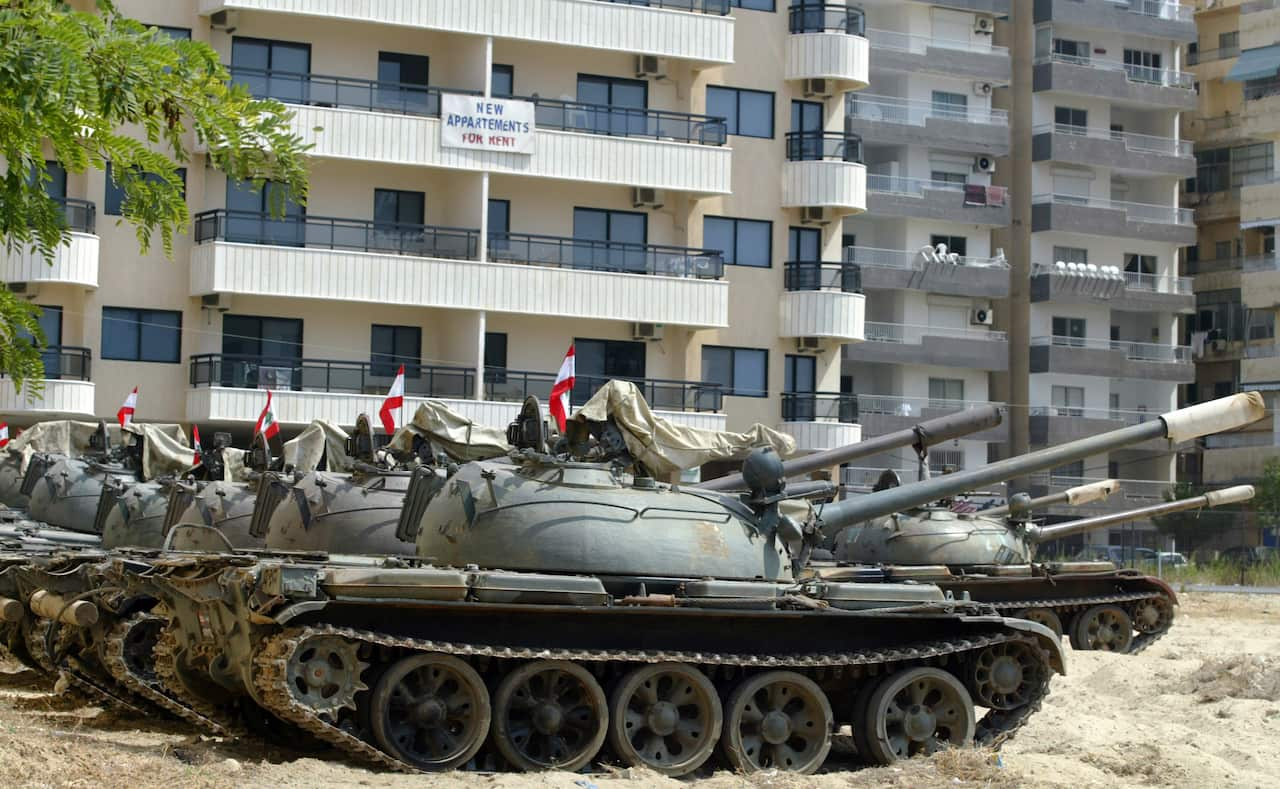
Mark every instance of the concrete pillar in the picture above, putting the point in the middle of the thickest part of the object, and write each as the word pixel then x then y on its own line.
pixel 1022 44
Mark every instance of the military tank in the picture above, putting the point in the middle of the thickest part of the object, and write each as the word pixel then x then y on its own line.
pixel 60 437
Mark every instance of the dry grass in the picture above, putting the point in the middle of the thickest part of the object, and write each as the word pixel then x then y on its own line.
pixel 1236 677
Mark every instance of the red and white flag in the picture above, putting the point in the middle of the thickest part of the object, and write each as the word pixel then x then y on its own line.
pixel 4 434
pixel 266 424
pixel 394 401
pixel 195 440
pixel 125 415
pixel 562 388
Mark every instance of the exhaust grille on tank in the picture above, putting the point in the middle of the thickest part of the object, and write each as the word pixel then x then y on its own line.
pixel 271 491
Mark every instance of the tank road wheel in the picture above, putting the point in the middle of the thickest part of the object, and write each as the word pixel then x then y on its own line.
pixel 431 711
pixel 1006 676
pixel 916 711
pixel 779 720
pixel 550 714
pixel 1043 616
pixel 141 632
pixel 1153 615
pixel 324 673
pixel 666 717
pixel 1106 628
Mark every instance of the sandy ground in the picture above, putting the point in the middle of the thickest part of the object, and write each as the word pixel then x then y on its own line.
pixel 1200 708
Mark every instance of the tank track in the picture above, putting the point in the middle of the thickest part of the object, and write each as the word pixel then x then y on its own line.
pixel 993 730
pixel 99 690
pixel 165 656
pixel 150 689
pixel 1140 641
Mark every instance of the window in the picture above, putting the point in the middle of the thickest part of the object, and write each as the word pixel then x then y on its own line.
pixel 1252 164
pixel 623 234
pixel 806 116
pixel 392 346
pixel 402 84
pixel 740 371
pixel 1069 116
pixel 499 224
pixel 1223 389
pixel 56 186
pixel 753 5
pixel 495 350
pixel 134 335
pixel 799 383
pixel 249 215
pixel 1142 66
pixel 620 104
pixel 1068 331
pixel 1229 42
pixel 1070 471
pixel 404 69
pixel 1139 264
pixel 1071 49
pixel 1222 250
pixel 175 33
pixel 272 69
pixel 955 105
pixel 601 360
pixel 957 244
pixel 744 242
pixel 1071 254
pixel 1213 171
pixel 804 243
pixel 114 198
pixel 396 207
pixel 948 177
pixel 943 389
pixel 748 113
pixel 502 80
pixel 1068 400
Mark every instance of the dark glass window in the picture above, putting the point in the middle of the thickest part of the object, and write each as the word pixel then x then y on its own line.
pixel 288 62
pixel 114 198
pixel 740 371
pixel 176 33
pixel 1139 264
pixel 620 104
pixel 806 116
pixel 135 335
pixel 1071 49
pixel 392 346
pixel 950 104
pixel 754 5
pixel 56 186
pixel 403 68
pixel 957 244
pixel 1070 116
pixel 801 374
pixel 502 80
pixel 249 217
pixel 1068 331
pixel 616 228
pixel 495 349
pixel 50 320
pixel 804 243
pixel 499 217
pixel 397 207
pixel 748 113
pixel 744 242
pixel 261 351
pixel 598 361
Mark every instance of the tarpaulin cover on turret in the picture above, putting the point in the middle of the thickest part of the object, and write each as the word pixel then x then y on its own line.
pixel 666 448
pixel 59 436
pixel 164 450
pixel 318 442
pixel 454 434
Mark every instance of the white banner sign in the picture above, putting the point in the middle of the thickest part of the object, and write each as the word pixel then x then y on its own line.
pixel 481 124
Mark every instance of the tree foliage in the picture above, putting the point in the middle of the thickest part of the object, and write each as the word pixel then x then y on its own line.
pixel 1266 500
pixel 84 89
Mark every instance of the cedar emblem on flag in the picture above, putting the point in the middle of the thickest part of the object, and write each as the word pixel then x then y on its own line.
pixel 562 388
pixel 266 424
pixel 195 440
pixel 125 415
pixel 394 401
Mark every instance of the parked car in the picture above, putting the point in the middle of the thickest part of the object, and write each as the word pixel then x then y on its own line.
pixel 1116 554
pixel 1172 559
pixel 1248 554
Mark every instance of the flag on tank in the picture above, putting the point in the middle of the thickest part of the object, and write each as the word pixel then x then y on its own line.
pixel 394 401
pixel 4 434
pixel 562 388
pixel 266 424
pixel 125 415
pixel 195 442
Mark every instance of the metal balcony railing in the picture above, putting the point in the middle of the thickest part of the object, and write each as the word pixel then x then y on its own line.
pixel 895 405
pixel 1135 351
pixel 912 334
pixel 915 44
pixel 79 215
pixel 1158 283
pixel 822 275
pixel 1125 416
pixel 1250 263
pixel 613 256
pixel 1139 490
pixel 971 194
pixel 1269 351
pixel 1160 9
pixel 1210 55
pixel 1146 143
pixel 1139 212
pixel 64 363
pixel 911 259
pixel 396 97
pixel 889 109
pixel 818 17
pixel 819 407
pixel 1164 77
pixel 1239 440
pixel 505 385
pixel 823 146
pixel 357 235
pixel 715 7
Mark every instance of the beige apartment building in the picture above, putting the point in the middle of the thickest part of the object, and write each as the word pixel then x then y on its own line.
pixel 676 218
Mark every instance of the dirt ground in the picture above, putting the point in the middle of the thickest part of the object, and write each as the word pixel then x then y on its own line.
pixel 1200 708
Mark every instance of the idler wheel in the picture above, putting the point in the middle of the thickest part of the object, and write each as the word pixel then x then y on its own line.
pixel 550 714
pixel 666 717
pixel 777 720
pixel 1042 616
pixel 431 711
pixel 1106 628
pixel 1153 615
pixel 140 634
pixel 1006 676
pixel 916 711
pixel 324 673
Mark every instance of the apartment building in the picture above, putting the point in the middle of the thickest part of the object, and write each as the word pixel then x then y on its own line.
pixel 674 211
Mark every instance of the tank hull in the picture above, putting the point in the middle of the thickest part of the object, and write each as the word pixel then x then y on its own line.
pixel 11 495
pixel 338 513
pixel 67 495
pixel 224 506
pixel 134 517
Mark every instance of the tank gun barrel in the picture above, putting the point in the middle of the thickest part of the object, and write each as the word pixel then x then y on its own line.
pixel 1082 494
pixel 1213 498
pixel 924 434
pixel 1183 424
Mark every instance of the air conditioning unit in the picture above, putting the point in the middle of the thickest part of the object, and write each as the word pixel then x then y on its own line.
pixel 984 25
pixel 983 316
pixel 984 164
pixel 809 344
pixel 814 215
pixel 225 20
pixel 983 88
pixel 216 301
pixel 645 197
pixel 817 87
pixel 651 66
pixel 646 331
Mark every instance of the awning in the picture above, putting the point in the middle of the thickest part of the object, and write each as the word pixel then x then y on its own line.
pixel 1257 63
pixel 1252 223
pixel 1260 386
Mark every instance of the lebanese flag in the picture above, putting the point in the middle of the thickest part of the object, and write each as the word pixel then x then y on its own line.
pixel 4 434
pixel 195 440
pixel 266 424
pixel 125 415
pixel 394 401
pixel 562 387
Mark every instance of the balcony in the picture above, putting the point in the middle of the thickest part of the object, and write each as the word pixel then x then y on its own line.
pixel 67 388
pixel 1213 206
pixel 1133 493
pixel 944 346
pixel 419 265
pixel 825 170
pixel 1122 290
pixel 1228 128
pixel 912 54
pixel 881 414
pixel 73 263
pixel 366 120
pixel 1098 217
pixel 1053 425
pixel 828 41
pixel 896 121
pixel 229 388
pixel 1260 285
pixel 1121 151
pixel 1260 199
pixel 1119 82
pixel 925 269
pixel 822 299
pixel 820 420
pixel 1154 18
pixel 918 198
pixel 1112 358
pixel 693 30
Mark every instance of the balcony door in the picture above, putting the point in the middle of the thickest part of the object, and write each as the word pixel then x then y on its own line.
pixel 800 381
pixel 261 352
pixel 604 233
pixel 249 219
pixel 402 84
pixel 50 321
pixel 272 69
pixel 398 217
pixel 618 106
pixel 806 128
pixel 598 361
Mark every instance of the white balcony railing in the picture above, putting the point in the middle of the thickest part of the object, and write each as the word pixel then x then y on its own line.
pixel 914 334
pixel 911 259
pixel 1158 283
pixel 1240 440
pixel 1162 77
pixel 916 187
pixel 1135 351
pixel 916 44
pixel 1126 416
pixel 889 109
pixel 1138 212
pixel 1160 9
pixel 1145 143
